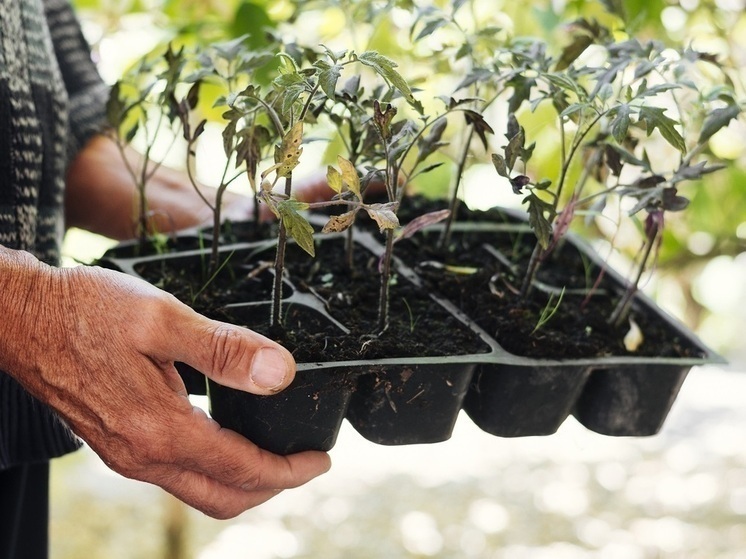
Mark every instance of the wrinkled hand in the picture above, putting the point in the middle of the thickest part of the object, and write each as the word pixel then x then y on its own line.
pixel 101 352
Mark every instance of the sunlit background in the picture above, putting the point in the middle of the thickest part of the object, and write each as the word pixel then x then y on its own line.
pixel 575 494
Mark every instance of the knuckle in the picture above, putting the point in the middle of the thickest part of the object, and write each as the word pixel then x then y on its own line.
pixel 229 352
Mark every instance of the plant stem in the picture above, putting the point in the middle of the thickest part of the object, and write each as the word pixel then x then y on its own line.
pixel 533 266
pixel 383 299
pixel 446 236
pixel 625 303
pixel 282 241
pixel 275 318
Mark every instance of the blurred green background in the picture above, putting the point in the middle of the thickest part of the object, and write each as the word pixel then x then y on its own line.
pixel 681 494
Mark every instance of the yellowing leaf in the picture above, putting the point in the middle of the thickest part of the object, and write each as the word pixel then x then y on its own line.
pixel 287 154
pixel 349 175
pixel 296 225
pixel 340 222
pixel 334 179
pixel 383 215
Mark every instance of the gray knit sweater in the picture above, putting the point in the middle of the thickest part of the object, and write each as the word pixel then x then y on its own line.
pixel 51 101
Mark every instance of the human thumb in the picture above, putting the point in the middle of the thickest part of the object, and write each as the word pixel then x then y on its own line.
pixel 230 355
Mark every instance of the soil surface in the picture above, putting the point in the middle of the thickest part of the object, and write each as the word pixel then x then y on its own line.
pixel 479 272
pixel 321 297
pixel 483 276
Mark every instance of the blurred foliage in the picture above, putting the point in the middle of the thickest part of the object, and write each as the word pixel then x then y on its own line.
pixel 437 42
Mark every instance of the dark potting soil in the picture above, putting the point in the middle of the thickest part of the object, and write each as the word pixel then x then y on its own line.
pixel 486 289
pixel 476 282
pixel 418 326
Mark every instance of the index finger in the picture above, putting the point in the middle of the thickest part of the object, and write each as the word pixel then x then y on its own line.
pixel 222 473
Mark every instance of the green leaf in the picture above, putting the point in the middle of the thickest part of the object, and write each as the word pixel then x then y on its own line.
pixel 541 226
pixel 295 224
pixel 716 120
pixel 562 81
pixel 328 77
pixel 385 67
pixel 654 117
pixel 693 172
pixel 620 124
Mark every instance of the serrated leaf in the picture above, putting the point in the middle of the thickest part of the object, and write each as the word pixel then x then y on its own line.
pixel 328 77
pixel 562 81
pixel 538 222
pixel 693 172
pixel 385 67
pixel 621 122
pixel 350 176
pixel 334 56
pixel 655 118
pixel 384 215
pixel 288 155
pixel 716 120
pixel 295 224
pixel 338 223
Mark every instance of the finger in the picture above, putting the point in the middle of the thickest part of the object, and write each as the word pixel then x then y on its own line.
pixel 230 355
pixel 205 494
pixel 222 474
pixel 230 459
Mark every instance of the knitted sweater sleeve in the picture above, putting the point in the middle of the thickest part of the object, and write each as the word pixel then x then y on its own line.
pixel 86 90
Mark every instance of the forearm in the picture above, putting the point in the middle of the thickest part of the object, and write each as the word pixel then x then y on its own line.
pixel 23 279
pixel 101 195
